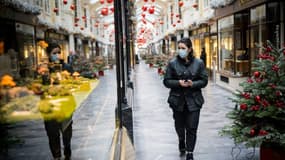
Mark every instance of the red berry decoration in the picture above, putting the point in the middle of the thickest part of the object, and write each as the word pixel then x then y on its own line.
pixel 55 10
pixel 64 1
pixel 180 3
pixel 72 7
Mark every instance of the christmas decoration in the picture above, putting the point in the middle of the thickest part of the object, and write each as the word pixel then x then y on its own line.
pixel 104 11
pixel 151 10
pixel 72 7
pixel 220 3
pixel 21 6
pixel 102 1
pixel 180 3
pixel 65 2
pixel 260 119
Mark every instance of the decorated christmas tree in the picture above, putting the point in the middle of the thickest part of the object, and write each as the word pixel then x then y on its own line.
pixel 260 113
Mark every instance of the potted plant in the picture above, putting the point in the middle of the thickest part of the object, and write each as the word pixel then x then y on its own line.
pixel 259 117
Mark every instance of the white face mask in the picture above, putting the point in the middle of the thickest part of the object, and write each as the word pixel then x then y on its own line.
pixel 182 53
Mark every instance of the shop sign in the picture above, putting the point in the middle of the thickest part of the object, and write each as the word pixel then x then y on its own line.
pixel 24 28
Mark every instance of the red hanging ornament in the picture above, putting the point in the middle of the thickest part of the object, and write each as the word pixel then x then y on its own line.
pixel 76 19
pixel 112 9
pixel 76 24
pixel 171 14
pixel 72 7
pixel 145 0
pixel 180 3
pixel 96 25
pixel 55 10
pixel 102 1
pixel 109 1
pixel 195 5
pixel 151 10
pixel 104 11
pixel 144 8
pixel 143 15
pixel 178 21
pixel 177 15
pixel 174 25
pixel 65 2
pixel 161 22
pixel 153 0
pixel 83 17
pixel 82 28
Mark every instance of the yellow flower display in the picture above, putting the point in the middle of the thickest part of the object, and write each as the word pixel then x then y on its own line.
pixel 7 81
pixel 43 44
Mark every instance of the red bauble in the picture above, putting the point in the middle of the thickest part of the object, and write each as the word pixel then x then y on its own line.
pixel 143 15
pixel 104 11
pixel 256 74
pixel 178 21
pixel 102 1
pixel 96 25
pixel 76 19
pixel 72 7
pixel 75 25
pixel 55 10
pixel 82 28
pixel 109 1
pixel 262 132
pixel 144 8
pixel 151 10
pixel 180 3
pixel 153 0
pixel 64 1
pixel 174 25
pixel 145 0
pixel 195 5
pixel 112 9
pixel 257 98
pixel 243 106
pixel 252 132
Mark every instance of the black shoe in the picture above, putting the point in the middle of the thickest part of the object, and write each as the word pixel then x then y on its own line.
pixel 182 147
pixel 189 156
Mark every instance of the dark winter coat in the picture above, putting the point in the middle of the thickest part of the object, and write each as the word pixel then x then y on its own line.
pixel 191 97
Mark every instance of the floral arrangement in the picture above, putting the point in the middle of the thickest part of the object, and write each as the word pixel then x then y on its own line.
pixel 260 113
pixel 43 44
pixel 7 81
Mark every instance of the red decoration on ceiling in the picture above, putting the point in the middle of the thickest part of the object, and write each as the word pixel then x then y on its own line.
pixel 145 0
pixel 174 25
pixel 177 15
pixel 72 7
pixel 180 3
pixel 102 1
pixel 178 21
pixel 195 5
pixel 109 1
pixel 104 11
pixel 64 1
pixel 153 0
pixel 76 19
pixel 143 15
pixel 55 10
pixel 151 10
pixel 76 24
pixel 82 28
pixel 144 8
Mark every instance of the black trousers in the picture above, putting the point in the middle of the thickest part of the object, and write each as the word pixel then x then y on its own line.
pixel 53 130
pixel 186 125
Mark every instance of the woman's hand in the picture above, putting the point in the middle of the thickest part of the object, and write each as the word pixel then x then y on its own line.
pixel 185 83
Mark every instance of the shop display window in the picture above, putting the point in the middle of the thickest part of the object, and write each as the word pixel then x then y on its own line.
pixel 226 59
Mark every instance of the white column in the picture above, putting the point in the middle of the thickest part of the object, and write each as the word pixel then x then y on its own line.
pixel 71 43
pixel 186 33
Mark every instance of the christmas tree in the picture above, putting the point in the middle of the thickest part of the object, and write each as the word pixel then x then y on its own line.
pixel 260 113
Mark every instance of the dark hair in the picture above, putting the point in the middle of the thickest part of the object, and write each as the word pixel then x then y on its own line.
pixel 186 41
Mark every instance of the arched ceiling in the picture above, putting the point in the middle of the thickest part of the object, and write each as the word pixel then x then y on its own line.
pixel 144 18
